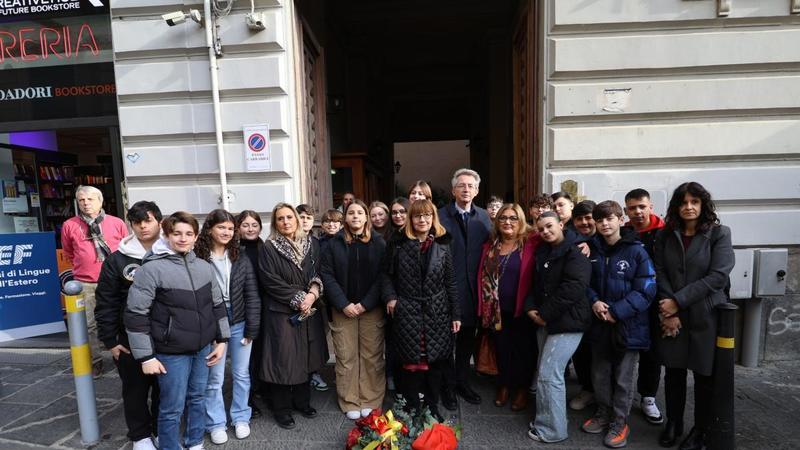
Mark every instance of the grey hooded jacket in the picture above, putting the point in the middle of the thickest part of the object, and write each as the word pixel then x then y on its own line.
pixel 174 305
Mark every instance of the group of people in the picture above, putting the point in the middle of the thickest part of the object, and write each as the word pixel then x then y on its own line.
pixel 406 291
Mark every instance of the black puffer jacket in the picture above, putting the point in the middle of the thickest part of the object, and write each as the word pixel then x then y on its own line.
pixel 559 290
pixel 335 272
pixel 111 295
pixel 427 300
pixel 244 296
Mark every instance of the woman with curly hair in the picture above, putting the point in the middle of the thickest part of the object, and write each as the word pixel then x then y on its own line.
pixel 693 259
pixel 218 244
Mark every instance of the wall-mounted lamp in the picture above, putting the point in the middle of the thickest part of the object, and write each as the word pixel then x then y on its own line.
pixel 397 166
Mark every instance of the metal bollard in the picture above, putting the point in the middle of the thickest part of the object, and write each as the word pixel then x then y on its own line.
pixel 81 362
pixel 721 427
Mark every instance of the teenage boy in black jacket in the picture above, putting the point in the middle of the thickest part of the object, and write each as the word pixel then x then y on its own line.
pixel 116 277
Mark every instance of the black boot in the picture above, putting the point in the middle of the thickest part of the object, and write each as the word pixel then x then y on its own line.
pixel 696 440
pixel 672 432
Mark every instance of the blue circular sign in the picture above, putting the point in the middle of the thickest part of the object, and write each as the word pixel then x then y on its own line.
pixel 256 142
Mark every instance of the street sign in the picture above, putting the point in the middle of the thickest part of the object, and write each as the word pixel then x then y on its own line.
pixel 256 148
pixel 30 300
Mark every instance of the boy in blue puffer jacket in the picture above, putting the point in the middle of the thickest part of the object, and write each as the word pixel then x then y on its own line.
pixel 623 285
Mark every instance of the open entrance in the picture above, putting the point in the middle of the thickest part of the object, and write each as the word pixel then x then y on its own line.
pixel 40 171
pixel 406 79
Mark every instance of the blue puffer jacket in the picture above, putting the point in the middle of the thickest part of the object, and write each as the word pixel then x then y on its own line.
pixel 623 276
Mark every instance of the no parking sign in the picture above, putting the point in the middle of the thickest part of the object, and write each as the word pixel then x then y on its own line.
pixel 256 148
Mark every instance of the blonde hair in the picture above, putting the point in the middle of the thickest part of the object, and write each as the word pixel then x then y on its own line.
pixel 522 233
pixel 273 222
pixel 423 207
pixel 424 187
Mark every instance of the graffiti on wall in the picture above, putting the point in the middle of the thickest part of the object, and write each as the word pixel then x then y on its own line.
pixel 782 320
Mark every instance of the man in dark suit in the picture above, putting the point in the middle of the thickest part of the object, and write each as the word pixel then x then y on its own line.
pixel 470 227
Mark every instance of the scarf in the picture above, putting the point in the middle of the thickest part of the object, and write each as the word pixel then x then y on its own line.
pixel 96 235
pixel 293 250
pixel 493 268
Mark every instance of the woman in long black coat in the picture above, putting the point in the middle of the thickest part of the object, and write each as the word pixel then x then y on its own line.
pixel 693 259
pixel 294 337
pixel 420 290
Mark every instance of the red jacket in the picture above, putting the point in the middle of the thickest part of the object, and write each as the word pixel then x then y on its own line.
pixel 79 249
pixel 527 271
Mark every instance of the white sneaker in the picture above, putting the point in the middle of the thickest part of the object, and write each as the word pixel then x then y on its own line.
pixel 365 412
pixel 144 444
pixel 581 401
pixel 650 410
pixel 318 383
pixel 219 436
pixel 196 447
pixel 353 415
pixel 242 430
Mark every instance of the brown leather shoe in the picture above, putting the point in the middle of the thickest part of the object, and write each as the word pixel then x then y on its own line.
pixel 520 401
pixel 501 396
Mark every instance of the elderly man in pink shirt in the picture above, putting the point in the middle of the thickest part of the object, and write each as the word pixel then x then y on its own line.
pixel 87 240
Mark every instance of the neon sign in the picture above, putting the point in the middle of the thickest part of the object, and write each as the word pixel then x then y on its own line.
pixel 31 44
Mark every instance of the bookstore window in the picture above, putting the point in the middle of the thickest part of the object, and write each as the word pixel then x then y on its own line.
pixel 41 170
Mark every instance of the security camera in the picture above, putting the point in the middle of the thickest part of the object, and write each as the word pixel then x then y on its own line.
pixel 174 18
pixel 255 21
pixel 196 16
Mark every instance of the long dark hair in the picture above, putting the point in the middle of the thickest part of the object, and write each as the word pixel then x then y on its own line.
pixel 204 242
pixel 708 215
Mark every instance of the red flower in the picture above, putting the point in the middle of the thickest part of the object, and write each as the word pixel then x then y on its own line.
pixel 353 437
pixel 369 421
pixel 404 430
pixel 438 437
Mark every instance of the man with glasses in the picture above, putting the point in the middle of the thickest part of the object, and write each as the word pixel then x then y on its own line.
pixel 470 227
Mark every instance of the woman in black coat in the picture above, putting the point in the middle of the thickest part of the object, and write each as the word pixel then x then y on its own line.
pixel 420 292
pixel 248 222
pixel 351 273
pixel 294 337
pixel 693 259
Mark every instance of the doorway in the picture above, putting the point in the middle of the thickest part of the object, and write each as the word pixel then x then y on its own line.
pixel 413 162
pixel 405 73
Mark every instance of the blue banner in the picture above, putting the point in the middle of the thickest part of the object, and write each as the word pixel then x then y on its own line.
pixel 30 291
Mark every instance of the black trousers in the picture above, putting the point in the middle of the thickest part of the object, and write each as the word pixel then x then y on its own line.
pixel 675 396
pixel 285 397
pixel 516 351
pixel 649 373
pixel 426 382
pixel 457 371
pixel 582 361
pixel 137 389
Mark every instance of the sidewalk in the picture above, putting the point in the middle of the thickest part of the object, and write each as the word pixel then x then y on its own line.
pixel 38 410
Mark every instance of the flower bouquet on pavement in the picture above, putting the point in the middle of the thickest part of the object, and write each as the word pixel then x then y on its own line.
pixel 398 430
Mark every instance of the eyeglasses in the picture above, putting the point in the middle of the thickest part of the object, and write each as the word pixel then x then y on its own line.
pixel 399 212
pixel 511 219
pixel 426 216
pixel 466 185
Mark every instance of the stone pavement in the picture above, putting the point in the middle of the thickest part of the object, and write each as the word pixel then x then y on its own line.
pixel 38 410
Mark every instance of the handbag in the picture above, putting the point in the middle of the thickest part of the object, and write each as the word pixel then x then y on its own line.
pixel 486 356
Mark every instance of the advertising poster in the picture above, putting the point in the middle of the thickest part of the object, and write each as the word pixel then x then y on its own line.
pixel 30 292
pixel 256 148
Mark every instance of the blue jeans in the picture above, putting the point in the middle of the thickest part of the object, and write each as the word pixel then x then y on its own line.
pixel 555 350
pixel 182 386
pixel 240 369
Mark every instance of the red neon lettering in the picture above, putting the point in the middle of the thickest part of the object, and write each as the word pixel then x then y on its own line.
pixel 23 42
pixel 92 46
pixel 6 49
pixel 49 45
pixel 31 44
